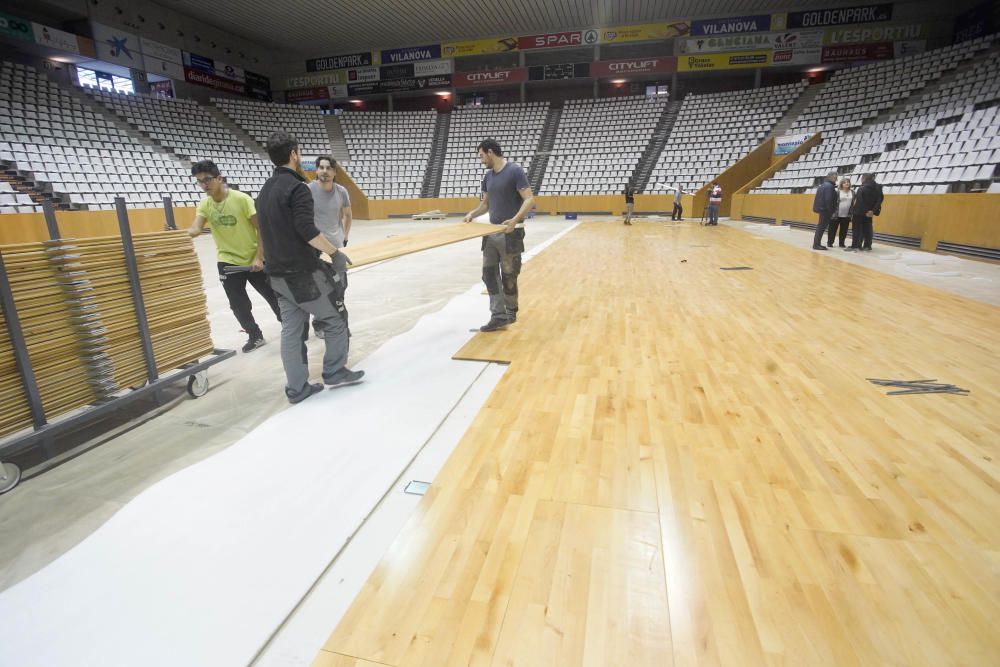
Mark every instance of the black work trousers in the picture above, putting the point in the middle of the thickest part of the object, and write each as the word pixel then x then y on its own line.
pixel 235 285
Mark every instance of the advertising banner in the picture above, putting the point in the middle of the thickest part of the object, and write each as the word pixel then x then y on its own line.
pixel 403 71
pixel 558 72
pixel 764 40
pixel 806 56
pixel 202 78
pixel 160 51
pixel 788 143
pixel 411 53
pixel 194 61
pixel 479 47
pixel 338 91
pixel 339 62
pixel 976 22
pixel 909 48
pixel 165 68
pixel 399 85
pixel 720 61
pixel 858 34
pixel 362 74
pixel 230 72
pixel 117 46
pixel 845 54
pixel 617 68
pixel 493 77
pixel 258 86
pixel 732 25
pixel 12 27
pixel 644 33
pixel 818 18
pixel 556 40
pixel 307 94
pixel 433 67
pixel 320 79
pixel 56 39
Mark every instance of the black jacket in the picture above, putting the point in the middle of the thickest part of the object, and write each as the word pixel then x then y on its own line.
pixel 868 198
pixel 826 199
pixel 285 214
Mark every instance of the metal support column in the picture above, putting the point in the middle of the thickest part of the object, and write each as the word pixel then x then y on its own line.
pixel 21 358
pixel 50 219
pixel 168 212
pixel 135 286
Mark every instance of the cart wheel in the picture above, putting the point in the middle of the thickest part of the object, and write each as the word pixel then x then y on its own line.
pixel 198 384
pixel 10 475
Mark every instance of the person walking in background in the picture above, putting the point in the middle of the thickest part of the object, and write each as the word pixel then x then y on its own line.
pixel 843 218
pixel 629 203
pixel 824 205
pixel 867 204
pixel 678 212
pixel 305 285
pixel 714 202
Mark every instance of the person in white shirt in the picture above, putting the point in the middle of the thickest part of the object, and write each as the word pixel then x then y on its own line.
pixel 843 218
pixel 678 212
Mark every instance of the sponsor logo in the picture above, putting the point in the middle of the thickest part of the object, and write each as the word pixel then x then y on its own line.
pixel 753 59
pixel 412 54
pixel 735 26
pixel 632 65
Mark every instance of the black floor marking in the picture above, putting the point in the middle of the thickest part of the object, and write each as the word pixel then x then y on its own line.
pixel 736 268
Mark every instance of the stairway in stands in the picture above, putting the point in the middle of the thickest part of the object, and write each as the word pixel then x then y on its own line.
pixel 792 114
pixel 548 139
pixel 21 182
pixel 435 163
pixel 640 178
pixel 338 142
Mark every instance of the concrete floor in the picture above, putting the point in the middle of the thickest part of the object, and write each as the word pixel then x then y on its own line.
pixel 51 511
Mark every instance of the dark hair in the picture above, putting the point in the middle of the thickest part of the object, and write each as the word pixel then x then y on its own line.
pixel 328 158
pixel 204 167
pixel 868 178
pixel 487 145
pixel 280 146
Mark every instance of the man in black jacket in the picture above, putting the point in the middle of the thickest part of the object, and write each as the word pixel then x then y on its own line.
pixel 304 285
pixel 867 203
pixel 825 205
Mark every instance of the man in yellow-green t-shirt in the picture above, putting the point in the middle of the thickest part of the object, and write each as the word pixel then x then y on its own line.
pixel 233 221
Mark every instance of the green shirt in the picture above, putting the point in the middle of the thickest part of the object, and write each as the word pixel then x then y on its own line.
pixel 235 236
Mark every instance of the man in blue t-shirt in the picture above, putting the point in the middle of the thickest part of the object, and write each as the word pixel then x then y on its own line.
pixel 508 198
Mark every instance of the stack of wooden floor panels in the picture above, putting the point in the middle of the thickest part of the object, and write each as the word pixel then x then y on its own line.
pixel 78 317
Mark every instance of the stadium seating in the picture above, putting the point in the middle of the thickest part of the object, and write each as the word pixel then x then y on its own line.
pixel 944 139
pixel 389 151
pixel 713 131
pixel 599 143
pixel 83 157
pixel 186 129
pixel 517 127
pixel 260 119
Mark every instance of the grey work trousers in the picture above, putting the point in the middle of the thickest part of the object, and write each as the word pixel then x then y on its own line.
pixel 299 296
pixel 500 271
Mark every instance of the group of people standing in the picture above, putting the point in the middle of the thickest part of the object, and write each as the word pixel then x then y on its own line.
pixel 841 206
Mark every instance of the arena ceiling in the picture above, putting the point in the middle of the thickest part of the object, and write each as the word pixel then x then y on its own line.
pixel 327 27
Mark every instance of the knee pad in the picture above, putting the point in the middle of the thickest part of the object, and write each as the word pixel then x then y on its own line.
pixel 490 278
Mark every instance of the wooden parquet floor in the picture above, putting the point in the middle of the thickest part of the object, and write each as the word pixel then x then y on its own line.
pixel 687 466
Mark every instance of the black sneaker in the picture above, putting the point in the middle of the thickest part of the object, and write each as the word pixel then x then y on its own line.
pixel 819 247
pixel 344 378
pixel 253 343
pixel 511 318
pixel 306 393
pixel 495 324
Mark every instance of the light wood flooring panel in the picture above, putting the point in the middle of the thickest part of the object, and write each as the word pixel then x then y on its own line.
pixel 804 516
pixel 327 659
pixel 407 244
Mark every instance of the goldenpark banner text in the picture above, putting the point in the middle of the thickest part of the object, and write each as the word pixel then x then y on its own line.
pixel 819 18
pixel 339 62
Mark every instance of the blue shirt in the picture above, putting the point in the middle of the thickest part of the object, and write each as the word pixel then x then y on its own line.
pixel 504 188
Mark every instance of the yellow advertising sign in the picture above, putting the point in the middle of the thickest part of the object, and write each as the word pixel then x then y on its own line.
pixel 478 47
pixel 644 32
pixel 714 61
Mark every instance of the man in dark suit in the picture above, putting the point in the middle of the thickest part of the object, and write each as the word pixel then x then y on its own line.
pixel 825 205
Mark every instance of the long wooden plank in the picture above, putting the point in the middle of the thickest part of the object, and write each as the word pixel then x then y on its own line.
pixel 804 517
pixel 406 244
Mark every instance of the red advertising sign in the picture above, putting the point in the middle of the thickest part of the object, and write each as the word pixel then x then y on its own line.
pixel 841 54
pixel 558 39
pixel 201 78
pixel 635 66
pixel 307 94
pixel 493 77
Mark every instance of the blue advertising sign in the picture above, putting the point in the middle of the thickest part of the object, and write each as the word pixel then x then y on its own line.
pixel 411 53
pixel 732 25
pixel 194 61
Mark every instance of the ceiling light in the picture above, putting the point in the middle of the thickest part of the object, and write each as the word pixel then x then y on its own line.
pixel 617 80
pixel 443 93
